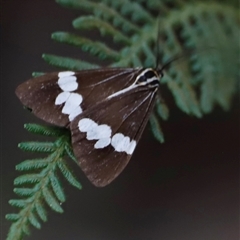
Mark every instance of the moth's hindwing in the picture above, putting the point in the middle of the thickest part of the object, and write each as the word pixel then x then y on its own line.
pixel 105 136
pixel 58 98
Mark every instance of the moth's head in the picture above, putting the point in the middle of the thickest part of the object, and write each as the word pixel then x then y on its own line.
pixel 148 77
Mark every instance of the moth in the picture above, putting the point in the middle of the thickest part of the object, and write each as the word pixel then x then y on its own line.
pixel 105 109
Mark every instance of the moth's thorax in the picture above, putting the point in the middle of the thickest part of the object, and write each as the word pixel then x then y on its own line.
pixel 148 77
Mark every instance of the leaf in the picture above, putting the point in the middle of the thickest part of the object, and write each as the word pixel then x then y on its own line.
pixel 37 74
pixel 162 109
pixel 51 200
pixel 67 63
pixel 12 217
pixel 44 130
pixel 28 178
pixel 95 48
pixel 32 164
pixel 20 203
pixel 157 131
pixel 57 188
pixel 45 147
pixel 34 221
pixel 40 210
pixel 68 175
pixel 24 191
pixel 91 22
pixel 26 229
pixel 103 11
pixel 70 153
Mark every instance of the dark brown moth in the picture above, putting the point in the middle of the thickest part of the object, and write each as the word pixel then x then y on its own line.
pixel 105 109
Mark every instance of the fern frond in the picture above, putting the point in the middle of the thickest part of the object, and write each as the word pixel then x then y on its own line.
pixel 91 22
pixel 178 94
pixel 44 130
pixel 70 153
pixel 162 109
pixel 191 26
pixel 188 26
pixel 104 12
pixel 25 230
pixel 40 210
pixel 25 192
pixel 68 175
pixel 44 147
pixel 20 203
pixel 28 178
pixel 131 10
pixel 37 74
pixel 57 188
pixel 157 131
pixel 67 63
pixel 153 4
pixel 34 221
pixel 42 187
pixel 12 216
pixel 32 164
pixel 95 48
pixel 51 200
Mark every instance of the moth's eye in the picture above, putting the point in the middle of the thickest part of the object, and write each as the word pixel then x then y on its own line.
pixel 150 74
pixel 142 79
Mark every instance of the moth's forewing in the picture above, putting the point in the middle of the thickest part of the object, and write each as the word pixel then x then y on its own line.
pixel 40 93
pixel 126 114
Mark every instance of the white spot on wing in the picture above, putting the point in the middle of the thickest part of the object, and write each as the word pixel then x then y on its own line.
pixel 74 113
pixel 131 147
pixel 102 143
pixel 65 74
pixel 72 103
pixel 98 132
pixel 122 143
pixel 67 79
pixel 102 133
pixel 68 83
pixel 116 141
pixel 62 97
pixel 86 124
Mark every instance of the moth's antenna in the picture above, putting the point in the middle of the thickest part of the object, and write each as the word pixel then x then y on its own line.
pixel 179 56
pixel 157 47
pixel 173 59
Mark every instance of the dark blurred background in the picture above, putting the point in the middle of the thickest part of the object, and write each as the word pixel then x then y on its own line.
pixel 187 188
